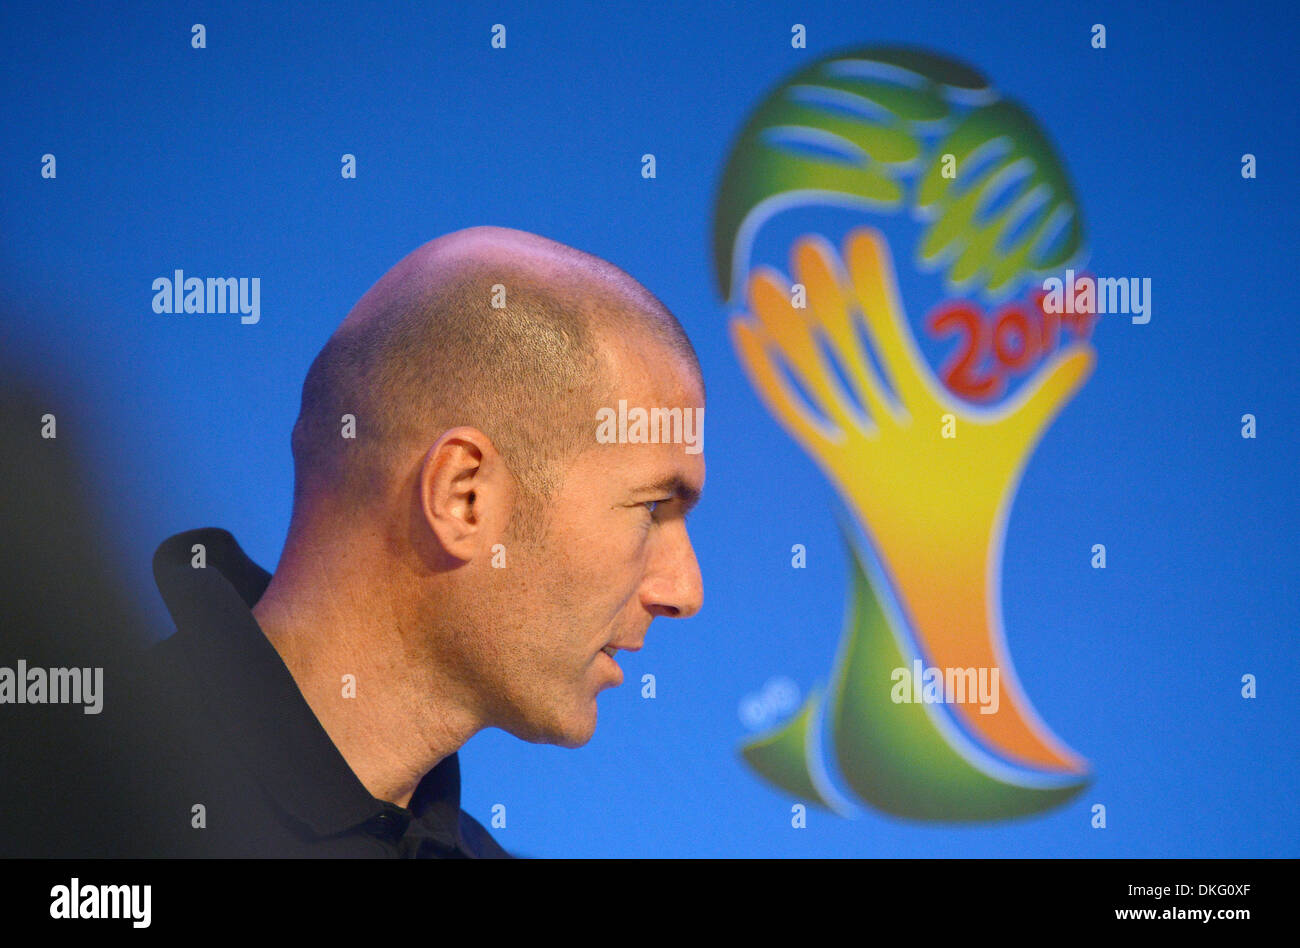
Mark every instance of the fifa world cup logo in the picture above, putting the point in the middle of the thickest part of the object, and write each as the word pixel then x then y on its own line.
pixel 924 714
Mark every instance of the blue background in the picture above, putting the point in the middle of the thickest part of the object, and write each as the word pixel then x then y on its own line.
pixel 225 161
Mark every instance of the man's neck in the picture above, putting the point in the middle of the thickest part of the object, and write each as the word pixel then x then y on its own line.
pixel 375 698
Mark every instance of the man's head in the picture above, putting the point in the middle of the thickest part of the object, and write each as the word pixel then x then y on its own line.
pixel 449 428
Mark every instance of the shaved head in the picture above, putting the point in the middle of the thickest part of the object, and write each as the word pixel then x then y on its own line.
pixel 481 549
pixel 488 327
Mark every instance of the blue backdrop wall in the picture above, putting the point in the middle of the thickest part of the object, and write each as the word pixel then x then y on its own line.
pixel 226 160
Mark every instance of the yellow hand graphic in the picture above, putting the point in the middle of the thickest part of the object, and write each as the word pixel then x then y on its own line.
pixel 934 506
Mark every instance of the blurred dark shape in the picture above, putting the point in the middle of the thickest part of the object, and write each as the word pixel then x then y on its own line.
pixel 62 604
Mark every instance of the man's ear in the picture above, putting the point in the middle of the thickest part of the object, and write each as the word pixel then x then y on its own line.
pixel 465 492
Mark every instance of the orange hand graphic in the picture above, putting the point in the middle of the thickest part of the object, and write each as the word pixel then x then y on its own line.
pixel 935 506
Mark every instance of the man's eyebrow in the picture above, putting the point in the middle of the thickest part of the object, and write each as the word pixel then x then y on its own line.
pixel 673 484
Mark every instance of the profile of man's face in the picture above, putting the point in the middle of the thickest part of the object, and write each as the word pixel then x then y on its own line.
pixel 614 555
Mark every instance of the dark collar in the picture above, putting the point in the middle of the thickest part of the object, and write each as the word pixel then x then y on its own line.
pixel 247 687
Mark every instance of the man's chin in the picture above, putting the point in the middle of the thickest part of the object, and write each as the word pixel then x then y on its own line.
pixel 571 734
pixel 577 736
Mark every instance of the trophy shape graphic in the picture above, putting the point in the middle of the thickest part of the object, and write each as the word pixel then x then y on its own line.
pixel 927 474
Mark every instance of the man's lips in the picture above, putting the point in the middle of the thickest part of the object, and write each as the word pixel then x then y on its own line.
pixel 614 647
pixel 614 667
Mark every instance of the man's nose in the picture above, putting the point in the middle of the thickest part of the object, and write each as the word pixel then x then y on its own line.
pixel 674 587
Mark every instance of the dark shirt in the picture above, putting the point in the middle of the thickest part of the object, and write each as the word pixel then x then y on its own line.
pixel 218 721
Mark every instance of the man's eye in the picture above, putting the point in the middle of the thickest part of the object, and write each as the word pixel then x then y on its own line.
pixel 653 505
